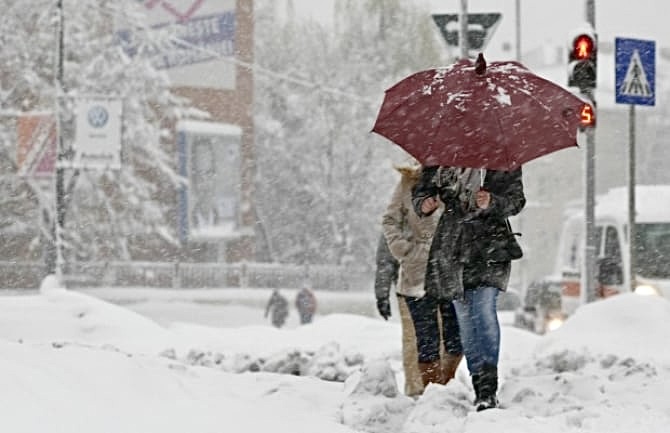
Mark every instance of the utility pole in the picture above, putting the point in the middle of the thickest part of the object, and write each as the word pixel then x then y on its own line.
pixel 59 218
pixel 463 34
pixel 517 43
pixel 589 275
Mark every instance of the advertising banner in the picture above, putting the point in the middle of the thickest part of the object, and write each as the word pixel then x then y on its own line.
pixel 201 45
pixel 36 144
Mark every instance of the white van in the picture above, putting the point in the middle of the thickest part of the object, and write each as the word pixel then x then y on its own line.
pixel 652 246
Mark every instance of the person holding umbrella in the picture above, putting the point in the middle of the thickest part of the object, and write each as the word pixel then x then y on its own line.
pixel 470 258
pixel 493 117
pixel 431 339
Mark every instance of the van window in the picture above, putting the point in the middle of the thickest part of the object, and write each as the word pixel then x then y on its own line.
pixel 612 246
pixel 652 249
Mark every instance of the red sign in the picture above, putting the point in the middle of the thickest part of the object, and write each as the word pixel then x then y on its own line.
pixel 36 145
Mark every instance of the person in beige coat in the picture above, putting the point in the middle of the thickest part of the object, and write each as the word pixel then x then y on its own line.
pixel 409 238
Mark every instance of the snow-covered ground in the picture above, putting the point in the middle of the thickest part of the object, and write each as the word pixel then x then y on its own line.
pixel 72 362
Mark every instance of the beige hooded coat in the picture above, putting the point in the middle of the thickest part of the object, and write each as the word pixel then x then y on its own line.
pixel 409 236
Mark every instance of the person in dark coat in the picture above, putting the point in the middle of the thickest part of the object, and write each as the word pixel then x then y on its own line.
pixel 278 306
pixel 305 303
pixel 386 275
pixel 470 258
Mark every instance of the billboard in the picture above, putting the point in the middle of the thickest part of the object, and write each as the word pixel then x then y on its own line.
pixel 209 158
pixel 201 51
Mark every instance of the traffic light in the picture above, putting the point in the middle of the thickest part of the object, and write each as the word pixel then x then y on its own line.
pixel 583 61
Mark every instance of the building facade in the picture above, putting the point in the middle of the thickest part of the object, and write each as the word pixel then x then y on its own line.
pixel 210 65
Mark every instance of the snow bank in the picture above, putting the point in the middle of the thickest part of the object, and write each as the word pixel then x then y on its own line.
pixel 623 326
pixel 58 315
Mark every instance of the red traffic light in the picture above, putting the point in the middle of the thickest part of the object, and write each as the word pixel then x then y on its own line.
pixel 582 47
pixel 583 61
pixel 587 116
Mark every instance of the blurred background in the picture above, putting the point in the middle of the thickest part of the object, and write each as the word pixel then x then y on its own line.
pixel 241 155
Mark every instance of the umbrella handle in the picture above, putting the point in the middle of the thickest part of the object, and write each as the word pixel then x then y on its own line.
pixel 473 215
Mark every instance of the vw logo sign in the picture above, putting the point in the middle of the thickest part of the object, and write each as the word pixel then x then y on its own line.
pixel 97 116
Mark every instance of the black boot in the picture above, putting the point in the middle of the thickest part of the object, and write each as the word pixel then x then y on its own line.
pixel 488 388
pixel 476 385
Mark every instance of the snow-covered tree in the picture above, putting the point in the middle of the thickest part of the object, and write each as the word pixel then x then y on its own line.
pixel 106 210
pixel 323 178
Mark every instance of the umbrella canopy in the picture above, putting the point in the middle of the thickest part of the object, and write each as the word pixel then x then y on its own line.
pixel 473 115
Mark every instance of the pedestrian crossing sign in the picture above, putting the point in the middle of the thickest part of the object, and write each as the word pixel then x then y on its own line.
pixel 635 71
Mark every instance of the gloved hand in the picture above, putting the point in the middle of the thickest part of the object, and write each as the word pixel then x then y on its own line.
pixel 384 307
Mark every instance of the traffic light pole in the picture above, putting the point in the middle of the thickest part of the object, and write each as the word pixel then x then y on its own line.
pixel 588 293
pixel 589 275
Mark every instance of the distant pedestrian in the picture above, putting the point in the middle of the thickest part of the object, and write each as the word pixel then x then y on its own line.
pixel 278 307
pixel 305 302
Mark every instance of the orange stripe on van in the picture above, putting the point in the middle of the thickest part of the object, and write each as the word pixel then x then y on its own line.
pixel 607 291
pixel 571 288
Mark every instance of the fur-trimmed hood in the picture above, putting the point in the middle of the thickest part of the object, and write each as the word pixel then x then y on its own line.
pixel 410 171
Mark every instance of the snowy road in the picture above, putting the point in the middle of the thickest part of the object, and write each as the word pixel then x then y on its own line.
pixel 73 363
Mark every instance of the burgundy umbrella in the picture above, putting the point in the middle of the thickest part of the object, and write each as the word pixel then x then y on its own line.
pixel 469 114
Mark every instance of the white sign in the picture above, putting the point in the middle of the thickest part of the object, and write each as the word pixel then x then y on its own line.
pixel 479 31
pixel 97 141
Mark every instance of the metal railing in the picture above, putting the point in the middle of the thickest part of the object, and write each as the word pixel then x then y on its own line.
pixel 181 275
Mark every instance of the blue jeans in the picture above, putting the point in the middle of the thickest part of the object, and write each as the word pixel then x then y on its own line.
pixel 480 330
pixel 424 312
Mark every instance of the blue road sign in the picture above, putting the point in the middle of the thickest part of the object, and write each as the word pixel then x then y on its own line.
pixel 635 71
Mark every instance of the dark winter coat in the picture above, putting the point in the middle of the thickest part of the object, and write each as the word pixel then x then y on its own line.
pixel 471 250
pixel 305 302
pixel 386 274
pixel 278 306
